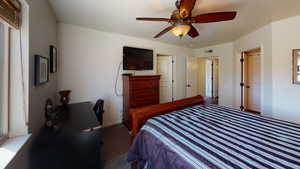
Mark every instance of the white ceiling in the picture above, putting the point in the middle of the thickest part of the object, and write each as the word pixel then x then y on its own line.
pixel 119 16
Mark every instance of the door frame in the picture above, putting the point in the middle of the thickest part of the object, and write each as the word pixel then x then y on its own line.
pixel 242 83
pixel 173 72
pixel 212 76
pixel 212 58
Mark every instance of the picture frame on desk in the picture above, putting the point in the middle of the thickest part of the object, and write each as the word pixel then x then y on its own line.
pixel 41 70
pixel 53 59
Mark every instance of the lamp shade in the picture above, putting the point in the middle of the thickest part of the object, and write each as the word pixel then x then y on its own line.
pixel 181 30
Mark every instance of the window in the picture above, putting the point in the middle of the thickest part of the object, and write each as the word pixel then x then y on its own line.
pixel 14 69
pixel 4 76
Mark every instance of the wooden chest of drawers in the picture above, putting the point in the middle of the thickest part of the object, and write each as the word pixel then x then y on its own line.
pixel 139 91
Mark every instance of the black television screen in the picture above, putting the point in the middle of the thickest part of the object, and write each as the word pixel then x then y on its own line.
pixel 137 59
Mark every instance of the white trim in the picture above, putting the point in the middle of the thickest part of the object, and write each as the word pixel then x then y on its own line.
pixel 6 78
pixel 25 54
pixel 262 76
pixel 18 110
pixel 14 126
pixel 173 77
pixel 5 23
pixel 10 148
pixel 5 89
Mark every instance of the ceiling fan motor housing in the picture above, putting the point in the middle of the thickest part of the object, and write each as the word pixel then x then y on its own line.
pixel 176 19
pixel 186 7
pixel 175 15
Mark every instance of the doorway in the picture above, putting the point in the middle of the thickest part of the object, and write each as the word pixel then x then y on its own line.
pixel 203 78
pixel 165 69
pixel 212 78
pixel 252 81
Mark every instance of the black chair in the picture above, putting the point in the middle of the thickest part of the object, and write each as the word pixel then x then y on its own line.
pixel 99 110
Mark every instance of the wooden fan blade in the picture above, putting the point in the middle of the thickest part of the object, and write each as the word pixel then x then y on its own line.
pixel 154 19
pixel 193 32
pixel 164 31
pixel 186 7
pixel 214 17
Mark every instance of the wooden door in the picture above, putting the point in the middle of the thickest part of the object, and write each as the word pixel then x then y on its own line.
pixel 253 81
pixel 192 76
pixel 165 69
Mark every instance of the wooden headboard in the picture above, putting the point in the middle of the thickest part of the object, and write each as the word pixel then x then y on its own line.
pixel 139 116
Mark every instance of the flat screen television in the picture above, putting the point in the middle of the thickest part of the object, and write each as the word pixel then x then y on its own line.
pixel 137 59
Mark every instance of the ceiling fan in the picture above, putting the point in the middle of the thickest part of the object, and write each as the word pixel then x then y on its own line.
pixel 182 20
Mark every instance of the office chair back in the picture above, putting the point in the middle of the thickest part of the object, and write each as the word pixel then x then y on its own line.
pixel 99 110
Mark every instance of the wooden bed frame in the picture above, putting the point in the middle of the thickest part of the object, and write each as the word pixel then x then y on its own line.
pixel 139 116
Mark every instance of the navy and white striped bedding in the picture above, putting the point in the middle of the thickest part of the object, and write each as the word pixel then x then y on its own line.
pixel 211 136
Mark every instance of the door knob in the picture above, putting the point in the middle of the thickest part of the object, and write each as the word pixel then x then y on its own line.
pixel 188 85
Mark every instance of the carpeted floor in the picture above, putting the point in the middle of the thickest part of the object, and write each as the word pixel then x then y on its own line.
pixel 119 162
pixel 116 144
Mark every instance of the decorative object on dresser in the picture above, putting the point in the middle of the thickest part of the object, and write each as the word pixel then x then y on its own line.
pixel 65 97
pixel 53 59
pixel 139 91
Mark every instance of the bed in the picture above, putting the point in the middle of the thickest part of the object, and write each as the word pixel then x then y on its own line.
pixel 193 135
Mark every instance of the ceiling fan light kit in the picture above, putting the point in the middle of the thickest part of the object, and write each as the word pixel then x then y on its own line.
pixel 181 30
pixel 181 19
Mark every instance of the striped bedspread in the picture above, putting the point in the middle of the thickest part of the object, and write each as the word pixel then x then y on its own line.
pixel 212 137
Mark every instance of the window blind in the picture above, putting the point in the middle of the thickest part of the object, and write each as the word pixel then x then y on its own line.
pixel 10 11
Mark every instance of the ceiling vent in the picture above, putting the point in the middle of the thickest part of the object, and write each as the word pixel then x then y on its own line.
pixel 209 51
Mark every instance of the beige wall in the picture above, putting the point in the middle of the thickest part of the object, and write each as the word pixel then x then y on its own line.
pixel 42 34
pixel 279 96
pixel 261 38
pixel 89 63
pixel 226 70
pixel 285 35
pixel 276 40
pixel 230 67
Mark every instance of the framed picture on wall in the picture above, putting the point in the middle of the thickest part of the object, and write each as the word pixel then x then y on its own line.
pixel 53 59
pixel 296 66
pixel 41 70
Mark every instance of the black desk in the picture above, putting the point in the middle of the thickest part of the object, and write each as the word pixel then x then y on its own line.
pixel 67 148
pixel 78 117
